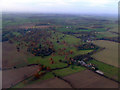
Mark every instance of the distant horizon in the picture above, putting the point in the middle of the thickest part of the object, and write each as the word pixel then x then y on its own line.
pixel 13 12
pixel 98 7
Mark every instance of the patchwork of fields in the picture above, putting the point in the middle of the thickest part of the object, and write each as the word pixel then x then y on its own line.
pixel 60 47
pixel 83 79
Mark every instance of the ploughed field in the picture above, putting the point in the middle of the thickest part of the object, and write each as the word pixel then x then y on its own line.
pixel 11 58
pixel 50 83
pixel 18 54
pixel 109 55
pixel 83 79
pixel 88 79
pixel 13 76
pixel 51 42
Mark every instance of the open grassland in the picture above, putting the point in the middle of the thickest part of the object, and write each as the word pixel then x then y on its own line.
pixel 109 55
pixel 69 70
pixel 69 45
pixel 105 34
pixel 76 29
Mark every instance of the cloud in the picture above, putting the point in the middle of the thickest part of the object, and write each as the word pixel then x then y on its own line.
pixel 101 3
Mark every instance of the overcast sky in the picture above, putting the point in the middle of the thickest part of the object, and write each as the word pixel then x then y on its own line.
pixel 61 6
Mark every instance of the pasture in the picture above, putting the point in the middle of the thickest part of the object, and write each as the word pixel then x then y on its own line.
pixel 62 49
pixel 108 70
pixel 106 34
pixel 51 41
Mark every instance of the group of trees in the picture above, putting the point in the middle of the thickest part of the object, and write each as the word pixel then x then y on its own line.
pixel 41 71
pixel 87 46
pixel 38 51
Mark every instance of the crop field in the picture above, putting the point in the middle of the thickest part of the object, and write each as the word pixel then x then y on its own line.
pixel 115 28
pixel 58 47
pixel 106 34
pixel 81 79
pixel 109 55
pixel 110 71
pixel 17 59
pixel 87 79
pixel 29 81
pixel 50 83
pixel 13 76
pixel 11 57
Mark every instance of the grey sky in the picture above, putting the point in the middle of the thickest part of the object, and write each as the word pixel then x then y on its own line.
pixel 61 6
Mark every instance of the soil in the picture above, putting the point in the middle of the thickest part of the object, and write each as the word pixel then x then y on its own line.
pixel 13 76
pixel 89 79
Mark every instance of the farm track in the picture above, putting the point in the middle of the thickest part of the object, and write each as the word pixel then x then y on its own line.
pixel 29 65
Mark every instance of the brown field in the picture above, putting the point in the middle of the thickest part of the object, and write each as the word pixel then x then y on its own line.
pixel 51 83
pixel 0 79
pixel 89 79
pixel 0 64
pixel 32 26
pixel 83 79
pixel 114 29
pixel 10 56
pixel 0 54
pixel 109 55
pixel 13 76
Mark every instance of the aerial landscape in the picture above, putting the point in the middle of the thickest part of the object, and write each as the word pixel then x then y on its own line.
pixel 59 50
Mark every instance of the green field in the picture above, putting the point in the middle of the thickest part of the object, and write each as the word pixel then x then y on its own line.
pixel 68 71
pixel 28 81
pixel 70 42
pixel 106 34
pixel 48 39
pixel 108 70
